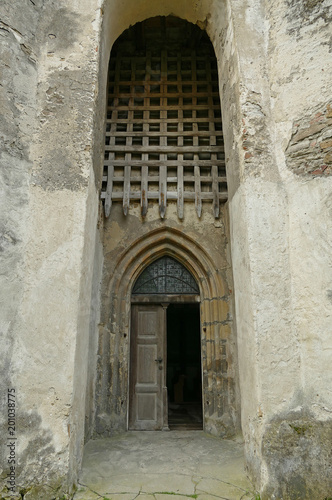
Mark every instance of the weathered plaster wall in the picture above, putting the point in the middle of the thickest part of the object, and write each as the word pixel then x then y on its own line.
pixel 18 89
pixel 258 221
pixel 17 93
pixel 49 219
pixel 300 75
pixel 281 242
pixel 275 60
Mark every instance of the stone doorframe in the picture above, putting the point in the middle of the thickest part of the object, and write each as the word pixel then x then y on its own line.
pixel 219 412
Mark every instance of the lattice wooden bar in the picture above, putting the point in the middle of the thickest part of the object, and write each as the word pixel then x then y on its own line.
pixel 164 137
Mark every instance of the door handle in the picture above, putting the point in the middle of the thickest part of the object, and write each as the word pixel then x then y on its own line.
pixel 159 360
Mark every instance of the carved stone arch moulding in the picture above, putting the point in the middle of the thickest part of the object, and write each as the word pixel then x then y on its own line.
pixel 217 367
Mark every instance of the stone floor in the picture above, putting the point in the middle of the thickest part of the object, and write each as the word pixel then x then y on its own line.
pixel 155 465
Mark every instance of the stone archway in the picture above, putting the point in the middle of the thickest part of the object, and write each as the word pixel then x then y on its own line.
pixel 211 267
pixel 220 412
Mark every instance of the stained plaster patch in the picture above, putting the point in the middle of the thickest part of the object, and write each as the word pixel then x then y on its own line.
pixel 310 148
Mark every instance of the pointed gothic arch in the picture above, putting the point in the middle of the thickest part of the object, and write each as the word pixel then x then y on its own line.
pixel 220 415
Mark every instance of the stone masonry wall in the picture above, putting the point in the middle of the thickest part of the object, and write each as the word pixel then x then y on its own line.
pixel 310 148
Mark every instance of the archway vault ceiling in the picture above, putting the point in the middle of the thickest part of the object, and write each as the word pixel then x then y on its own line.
pixel 121 14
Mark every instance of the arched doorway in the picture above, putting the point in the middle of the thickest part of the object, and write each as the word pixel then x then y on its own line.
pixel 164 167
pixel 165 193
pixel 165 362
pixel 206 266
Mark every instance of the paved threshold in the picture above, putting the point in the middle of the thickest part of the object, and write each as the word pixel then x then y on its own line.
pixel 163 466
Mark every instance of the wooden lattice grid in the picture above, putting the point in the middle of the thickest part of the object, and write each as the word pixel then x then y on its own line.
pixel 164 137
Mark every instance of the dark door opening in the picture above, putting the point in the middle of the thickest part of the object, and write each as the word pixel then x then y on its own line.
pixel 184 381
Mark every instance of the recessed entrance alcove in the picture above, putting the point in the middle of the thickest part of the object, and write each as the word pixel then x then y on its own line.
pixel 167 268
pixel 206 374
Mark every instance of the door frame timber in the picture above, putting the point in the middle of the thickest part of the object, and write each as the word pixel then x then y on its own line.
pixel 218 344
pixel 165 299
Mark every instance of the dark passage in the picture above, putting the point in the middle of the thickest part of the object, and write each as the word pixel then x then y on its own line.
pixel 184 381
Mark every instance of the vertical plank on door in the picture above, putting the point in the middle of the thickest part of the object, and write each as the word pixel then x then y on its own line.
pixel 147 366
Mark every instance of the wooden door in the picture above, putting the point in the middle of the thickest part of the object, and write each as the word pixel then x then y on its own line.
pixel 148 393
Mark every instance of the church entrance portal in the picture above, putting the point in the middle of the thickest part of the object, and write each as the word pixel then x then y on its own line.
pixel 162 279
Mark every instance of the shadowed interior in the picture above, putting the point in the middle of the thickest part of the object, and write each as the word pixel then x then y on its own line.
pixel 184 367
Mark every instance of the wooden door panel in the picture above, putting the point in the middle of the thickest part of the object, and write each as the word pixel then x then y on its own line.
pixel 147 371
pixel 147 322
pixel 146 406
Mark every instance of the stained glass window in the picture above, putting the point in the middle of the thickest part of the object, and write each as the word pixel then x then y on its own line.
pixel 165 276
